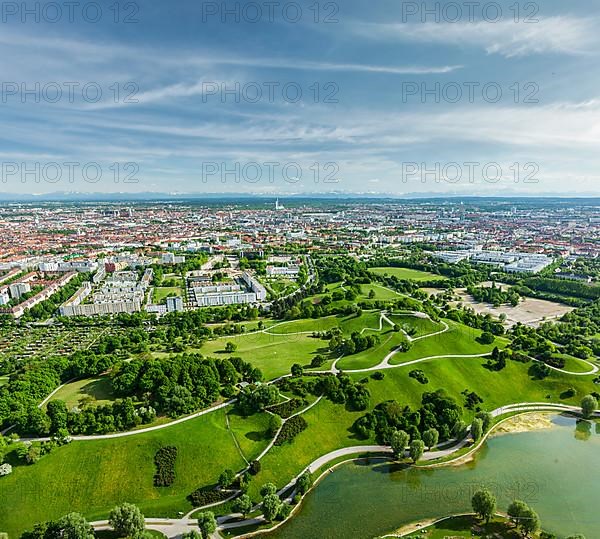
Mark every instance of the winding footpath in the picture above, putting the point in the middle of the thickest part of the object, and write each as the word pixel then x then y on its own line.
pixel 176 527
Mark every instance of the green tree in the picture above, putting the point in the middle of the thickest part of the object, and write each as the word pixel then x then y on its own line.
pixel 589 405
pixel 268 488
pixel 75 526
pixel 484 504
pixel 487 338
pixel 304 482
pixel 230 347
pixel 254 467
pixel 476 429
pixel 430 438
pixel 274 425
pixel 530 522
pixel 297 370
pixel 516 510
pixel 57 412
pixel 207 523
pixel 486 420
pixel 416 450
pixel 398 442
pixel 226 478
pixel 271 506
pixel 127 520
pixel 243 504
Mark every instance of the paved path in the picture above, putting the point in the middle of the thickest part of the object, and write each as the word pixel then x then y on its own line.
pixel 147 429
pixel 176 527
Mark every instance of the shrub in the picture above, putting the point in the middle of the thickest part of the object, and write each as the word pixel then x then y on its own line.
pixel 164 460
pixel 287 408
pixel 207 495
pixel 254 467
pixel 419 376
pixel 290 429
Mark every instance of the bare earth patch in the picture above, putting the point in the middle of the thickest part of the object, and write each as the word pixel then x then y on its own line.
pixel 524 423
pixel 530 311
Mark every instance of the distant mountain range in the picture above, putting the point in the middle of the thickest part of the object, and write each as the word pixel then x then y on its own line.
pixel 70 196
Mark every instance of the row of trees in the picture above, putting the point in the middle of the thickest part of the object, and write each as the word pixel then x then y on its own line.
pixel 125 519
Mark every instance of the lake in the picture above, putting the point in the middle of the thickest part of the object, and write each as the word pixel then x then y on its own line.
pixel 556 471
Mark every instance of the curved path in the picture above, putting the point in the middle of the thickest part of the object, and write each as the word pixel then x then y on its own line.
pixel 594 370
pixel 384 364
pixel 176 527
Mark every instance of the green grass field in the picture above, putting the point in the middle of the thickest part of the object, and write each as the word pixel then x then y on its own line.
pixel 458 340
pixel 91 477
pixel 272 354
pixel 161 292
pixel 290 342
pixel 407 274
pixel 573 364
pixel 420 326
pixel 458 527
pixel 98 389
pixel 327 430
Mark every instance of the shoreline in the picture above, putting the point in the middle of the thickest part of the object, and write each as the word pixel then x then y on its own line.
pixel 511 425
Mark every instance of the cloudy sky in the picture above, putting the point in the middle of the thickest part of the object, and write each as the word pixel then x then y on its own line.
pixel 281 97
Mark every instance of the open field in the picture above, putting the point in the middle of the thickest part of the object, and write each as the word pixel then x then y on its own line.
pixel 94 390
pixel 530 311
pixel 279 347
pixel 512 384
pixel 161 292
pixel 408 274
pixel 458 340
pixel 273 354
pixel 420 326
pixel 93 476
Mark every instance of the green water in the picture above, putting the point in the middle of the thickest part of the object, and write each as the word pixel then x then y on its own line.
pixel 556 471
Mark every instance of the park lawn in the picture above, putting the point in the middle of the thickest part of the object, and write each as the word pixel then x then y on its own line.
pixel 305 325
pixel 388 341
pixel 368 321
pixel 458 340
pixel 408 274
pixel 281 286
pixel 348 324
pixel 161 292
pixel 250 432
pixel 381 293
pixel 91 477
pixel 99 389
pixel 511 385
pixel 292 342
pixel 461 526
pixel 272 354
pixel 421 326
pixel 328 429
pixel 573 364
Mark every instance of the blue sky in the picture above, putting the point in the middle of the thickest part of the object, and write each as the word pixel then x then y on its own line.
pixel 361 124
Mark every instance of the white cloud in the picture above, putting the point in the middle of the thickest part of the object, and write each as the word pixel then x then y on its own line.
pixel 559 34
